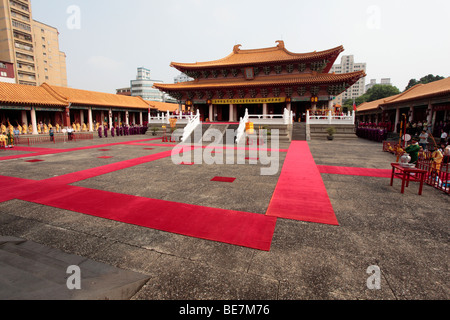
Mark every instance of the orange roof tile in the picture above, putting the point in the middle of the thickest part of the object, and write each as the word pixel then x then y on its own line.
pixel 93 98
pixel 272 80
pixel 164 106
pixel 422 91
pixel 373 105
pixel 11 93
pixel 257 56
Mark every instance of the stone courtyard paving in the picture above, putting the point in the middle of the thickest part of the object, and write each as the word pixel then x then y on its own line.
pixel 404 235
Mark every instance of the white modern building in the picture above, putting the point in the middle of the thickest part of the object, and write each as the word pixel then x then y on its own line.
pixel 348 65
pixel 143 86
pixel 182 78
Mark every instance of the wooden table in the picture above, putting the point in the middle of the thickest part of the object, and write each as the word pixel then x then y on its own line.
pixel 405 174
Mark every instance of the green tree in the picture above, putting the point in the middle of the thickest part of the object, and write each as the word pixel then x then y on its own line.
pixel 377 92
pixel 424 80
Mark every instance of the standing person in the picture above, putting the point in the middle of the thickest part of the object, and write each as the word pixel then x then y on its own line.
pixel 69 133
pixel 52 138
pixel 106 131
pixel 436 158
pixel 10 136
pixel 423 140
pixel 99 129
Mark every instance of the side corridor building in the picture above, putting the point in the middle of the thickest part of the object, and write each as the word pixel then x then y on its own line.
pixel 428 103
pixel 24 105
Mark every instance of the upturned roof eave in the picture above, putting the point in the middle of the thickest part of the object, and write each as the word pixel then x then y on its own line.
pixel 203 85
pixel 296 58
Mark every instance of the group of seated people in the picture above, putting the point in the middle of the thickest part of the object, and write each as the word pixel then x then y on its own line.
pixel 438 154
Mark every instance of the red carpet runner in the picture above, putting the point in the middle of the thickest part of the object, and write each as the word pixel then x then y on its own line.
pixel 232 227
pixel 300 193
pixel 351 171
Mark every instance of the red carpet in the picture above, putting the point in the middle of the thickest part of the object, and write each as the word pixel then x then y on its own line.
pixel 223 179
pixel 94 172
pixel 232 227
pixel 32 161
pixel 300 193
pixel 367 172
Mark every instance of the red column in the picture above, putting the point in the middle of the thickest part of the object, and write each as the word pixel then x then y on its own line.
pixel 67 117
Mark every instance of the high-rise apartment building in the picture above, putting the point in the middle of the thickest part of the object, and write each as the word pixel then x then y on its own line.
pixel 32 47
pixel 348 65
pixel 51 63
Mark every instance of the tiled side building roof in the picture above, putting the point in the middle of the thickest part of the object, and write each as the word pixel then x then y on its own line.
pixel 11 93
pixel 47 95
pixel 420 91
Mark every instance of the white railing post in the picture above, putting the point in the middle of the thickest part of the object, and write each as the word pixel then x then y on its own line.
pixel 307 117
pixel 329 117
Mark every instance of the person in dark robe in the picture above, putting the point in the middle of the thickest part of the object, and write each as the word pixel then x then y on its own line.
pixel 106 131
pixel 112 132
pixel 99 132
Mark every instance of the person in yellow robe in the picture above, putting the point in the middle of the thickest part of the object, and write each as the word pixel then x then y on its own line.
pixel 78 127
pixel 19 127
pixel 57 127
pixel 45 128
pixel 3 139
pixel 3 131
pixel 436 158
pixel 24 129
pixel 84 127
pixel 30 128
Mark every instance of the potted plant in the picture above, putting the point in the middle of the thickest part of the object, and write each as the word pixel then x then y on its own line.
pixel 154 130
pixel 331 131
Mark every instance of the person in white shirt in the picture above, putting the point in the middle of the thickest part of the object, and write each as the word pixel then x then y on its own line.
pixel 423 139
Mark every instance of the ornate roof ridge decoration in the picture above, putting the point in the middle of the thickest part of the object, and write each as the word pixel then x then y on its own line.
pixel 248 57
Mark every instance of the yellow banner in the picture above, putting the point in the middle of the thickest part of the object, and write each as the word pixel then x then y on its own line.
pixel 248 101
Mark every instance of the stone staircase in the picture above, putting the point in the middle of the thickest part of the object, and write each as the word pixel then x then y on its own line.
pixel 208 135
pixel 31 271
pixel 299 131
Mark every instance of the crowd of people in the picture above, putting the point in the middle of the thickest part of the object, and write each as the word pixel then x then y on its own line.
pixel 120 130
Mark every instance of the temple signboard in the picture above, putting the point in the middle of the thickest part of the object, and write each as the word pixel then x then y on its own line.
pixel 248 101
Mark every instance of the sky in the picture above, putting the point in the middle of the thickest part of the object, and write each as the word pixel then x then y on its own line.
pixel 107 40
